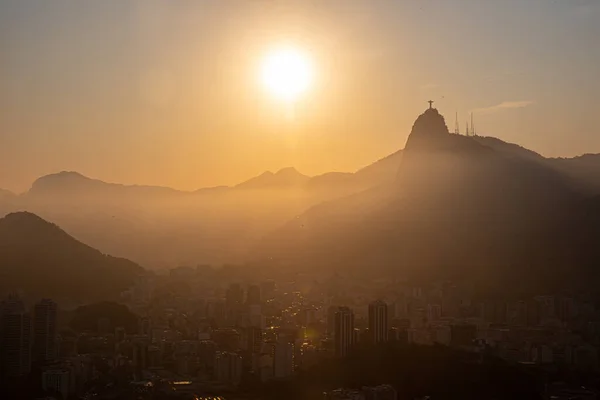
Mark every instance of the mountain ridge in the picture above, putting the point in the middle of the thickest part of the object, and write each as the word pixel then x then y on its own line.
pixel 162 227
pixel 456 207
pixel 40 258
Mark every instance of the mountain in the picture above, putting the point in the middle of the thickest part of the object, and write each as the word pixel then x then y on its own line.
pixel 584 171
pixel 458 206
pixel 5 194
pixel 163 227
pixel 44 261
pixel 284 178
pixel 383 170
pixel 69 183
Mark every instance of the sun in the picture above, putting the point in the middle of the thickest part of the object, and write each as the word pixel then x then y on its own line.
pixel 287 73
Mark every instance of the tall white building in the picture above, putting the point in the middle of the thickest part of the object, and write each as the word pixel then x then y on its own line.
pixel 45 343
pixel 15 338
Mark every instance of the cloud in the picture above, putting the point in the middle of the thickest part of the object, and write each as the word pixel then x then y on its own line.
pixel 505 105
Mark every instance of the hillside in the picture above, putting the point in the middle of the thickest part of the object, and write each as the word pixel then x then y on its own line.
pixel 162 227
pixel 42 260
pixel 5 194
pixel 458 207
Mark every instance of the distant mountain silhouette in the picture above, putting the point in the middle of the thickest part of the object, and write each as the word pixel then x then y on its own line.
pixel 74 184
pixel 583 170
pixel 5 194
pixel 383 170
pixel 459 206
pixel 42 260
pixel 284 178
pixel 159 227
pixel 163 227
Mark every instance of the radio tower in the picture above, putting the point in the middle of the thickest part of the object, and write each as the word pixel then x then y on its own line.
pixel 456 127
pixel 467 132
pixel 473 132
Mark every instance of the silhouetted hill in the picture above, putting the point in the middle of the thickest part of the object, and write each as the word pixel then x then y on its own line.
pixel 74 184
pixel 5 194
pixel 158 226
pixel 381 171
pixel 583 170
pixel 7 201
pixel 43 260
pixel 459 206
pixel 332 180
pixel 507 149
pixel 284 178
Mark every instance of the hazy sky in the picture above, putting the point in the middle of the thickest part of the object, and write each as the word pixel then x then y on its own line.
pixel 167 92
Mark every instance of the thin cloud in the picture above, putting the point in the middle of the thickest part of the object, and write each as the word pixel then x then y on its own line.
pixel 505 105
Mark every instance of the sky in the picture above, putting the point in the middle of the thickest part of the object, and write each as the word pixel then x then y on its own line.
pixel 168 92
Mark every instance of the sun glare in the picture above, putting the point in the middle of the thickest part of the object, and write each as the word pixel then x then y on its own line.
pixel 287 73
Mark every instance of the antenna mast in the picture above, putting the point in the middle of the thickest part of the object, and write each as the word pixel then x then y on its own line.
pixel 473 132
pixel 456 127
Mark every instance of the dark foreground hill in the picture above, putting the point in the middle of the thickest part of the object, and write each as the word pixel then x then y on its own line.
pixel 459 207
pixel 42 260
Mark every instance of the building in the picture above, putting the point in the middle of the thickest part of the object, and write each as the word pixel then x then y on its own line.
pixel 81 371
pixel 308 316
pixel 228 368
pixel 15 339
pixel 119 334
pixel 140 353
pixel 344 394
pixel 234 297
pixel 254 316
pixel 434 312
pixel 378 322
pixel 331 310
pixel 234 304
pixel 67 346
pixel 343 331
pixel 462 334
pixel 254 338
pixel 216 310
pixel 207 352
pixel 57 380
pixel 45 339
pixel 253 296
pixel 267 289
pixel 381 392
pixel 283 360
pixel 145 326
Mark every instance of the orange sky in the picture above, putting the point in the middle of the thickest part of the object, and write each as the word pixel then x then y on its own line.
pixel 168 93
